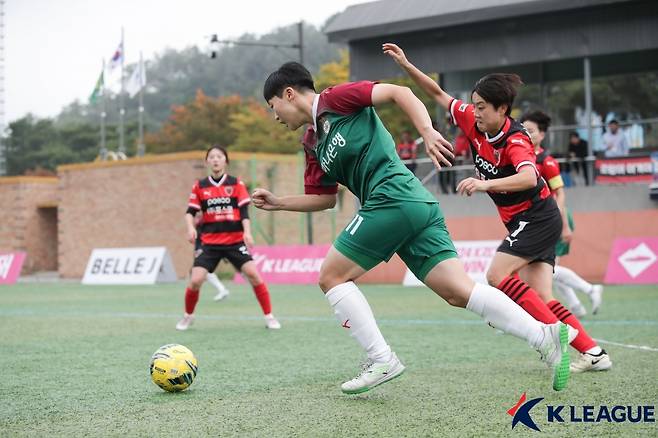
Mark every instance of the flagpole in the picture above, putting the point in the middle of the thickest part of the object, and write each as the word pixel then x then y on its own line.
pixel 141 148
pixel 122 111
pixel 103 151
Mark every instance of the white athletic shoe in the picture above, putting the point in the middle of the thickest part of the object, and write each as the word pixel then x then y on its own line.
pixel 373 374
pixel 554 351
pixel 186 322
pixel 221 294
pixel 591 362
pixel 271 322
pixel 579 310
pixel 596 297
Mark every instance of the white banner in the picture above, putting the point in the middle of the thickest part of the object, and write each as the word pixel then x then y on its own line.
pixel 129 266
pixel 475 255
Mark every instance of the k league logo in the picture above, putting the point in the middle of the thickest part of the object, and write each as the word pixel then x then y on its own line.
pixel 620 413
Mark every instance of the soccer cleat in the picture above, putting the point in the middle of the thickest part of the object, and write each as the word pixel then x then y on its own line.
pixel 555 351
pixel 591 362
pixel 221 294
pixel 596 297
pixel 579 310
pixel 186 322
pixel 271 322
pixel 373 374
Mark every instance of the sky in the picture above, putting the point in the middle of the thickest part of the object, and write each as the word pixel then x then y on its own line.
pixel 54 48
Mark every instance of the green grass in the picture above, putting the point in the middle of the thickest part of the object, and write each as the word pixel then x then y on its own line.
pixel 75 361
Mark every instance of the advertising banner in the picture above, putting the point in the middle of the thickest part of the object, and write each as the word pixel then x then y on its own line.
pixel 129 266
pixel 633 261
pixel 288 264
pixel 11 264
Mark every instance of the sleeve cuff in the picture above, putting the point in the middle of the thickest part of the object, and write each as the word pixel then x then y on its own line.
pixel 320 190
pixel 526 163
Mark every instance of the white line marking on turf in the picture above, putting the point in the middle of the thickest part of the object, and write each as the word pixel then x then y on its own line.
pixel 635 347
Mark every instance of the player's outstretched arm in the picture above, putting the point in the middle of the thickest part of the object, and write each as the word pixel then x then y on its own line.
pixel 425 82
pixel 437 147
pixel 266 200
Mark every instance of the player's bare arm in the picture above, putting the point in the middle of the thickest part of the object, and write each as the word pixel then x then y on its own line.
pixel 191 229
pixel 525 179
pixel 425 82
pixel 247 236
pixel 266 200
pixel 437 147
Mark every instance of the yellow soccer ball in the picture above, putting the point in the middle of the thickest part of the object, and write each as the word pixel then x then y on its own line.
pixel 173 367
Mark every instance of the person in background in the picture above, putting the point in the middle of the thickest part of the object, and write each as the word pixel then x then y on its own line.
pixel 408 150
pixel 614 141
pixel 577 151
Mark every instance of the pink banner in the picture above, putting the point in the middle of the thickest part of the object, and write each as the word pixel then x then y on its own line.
pixel 288 264
pixel 633 261
pixel 10 266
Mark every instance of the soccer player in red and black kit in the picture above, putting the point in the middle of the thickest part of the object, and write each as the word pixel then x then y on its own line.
pixel 505 164
pixel 223 199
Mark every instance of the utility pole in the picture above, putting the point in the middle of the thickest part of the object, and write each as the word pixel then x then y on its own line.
pixel 214 50
pixel 122 110
pixel 3 146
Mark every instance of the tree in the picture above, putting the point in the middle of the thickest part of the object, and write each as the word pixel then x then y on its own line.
pixel 257 131
pixel 197 124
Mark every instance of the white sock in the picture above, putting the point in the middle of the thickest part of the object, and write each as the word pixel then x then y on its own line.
pixel 568 294
pixel 568 277
pixel 214 280
pixel 504 314
pixel 353 311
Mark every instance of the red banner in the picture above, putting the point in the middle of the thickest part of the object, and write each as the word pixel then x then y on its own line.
pixel 624 170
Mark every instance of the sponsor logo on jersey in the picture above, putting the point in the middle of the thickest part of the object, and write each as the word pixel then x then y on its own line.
pixel 220 200
pixel 330 154
pixel 463 107
pixel 486 166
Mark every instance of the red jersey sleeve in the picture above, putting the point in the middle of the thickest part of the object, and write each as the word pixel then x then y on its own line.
pixel 242 193
pixel 463 115
pixel 550 171
pixel 194 200
pixel 521 152
pixel 349 97
pixel 316 181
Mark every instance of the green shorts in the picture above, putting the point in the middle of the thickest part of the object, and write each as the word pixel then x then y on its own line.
pixel 414 230
pixel 562 248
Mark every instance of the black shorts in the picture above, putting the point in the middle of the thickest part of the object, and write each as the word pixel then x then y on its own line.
pixel 209 256
pixel 533 234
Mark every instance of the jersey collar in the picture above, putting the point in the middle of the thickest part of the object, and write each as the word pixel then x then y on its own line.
pixel 314 112
pixel 496 138
pixel 218 183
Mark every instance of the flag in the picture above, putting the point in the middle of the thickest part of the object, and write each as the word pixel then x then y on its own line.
pixel 137 79
pixel 98 89
pixel 116 59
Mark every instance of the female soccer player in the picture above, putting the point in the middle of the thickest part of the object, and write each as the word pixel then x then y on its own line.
pixel 225 233
pixel 505 164
pixel 346 143
pixel 565 280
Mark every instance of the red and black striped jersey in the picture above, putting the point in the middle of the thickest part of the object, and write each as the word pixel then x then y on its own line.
pixel 501 156
pixel 220 203
pixel 549 169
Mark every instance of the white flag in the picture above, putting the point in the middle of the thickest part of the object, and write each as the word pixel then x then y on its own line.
pixel 137 79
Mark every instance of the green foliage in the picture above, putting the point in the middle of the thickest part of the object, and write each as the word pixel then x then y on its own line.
pixel 79 356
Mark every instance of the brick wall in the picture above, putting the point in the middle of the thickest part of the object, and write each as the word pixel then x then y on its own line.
pixel 142 202
pixel 27 222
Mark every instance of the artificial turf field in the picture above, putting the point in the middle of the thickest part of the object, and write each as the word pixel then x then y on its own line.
pixel 75 362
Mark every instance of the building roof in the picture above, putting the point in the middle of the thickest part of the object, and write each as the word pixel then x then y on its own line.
pixel 390 17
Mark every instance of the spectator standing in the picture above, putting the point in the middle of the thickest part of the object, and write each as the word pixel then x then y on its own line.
pixel 578 155
pixel 614 141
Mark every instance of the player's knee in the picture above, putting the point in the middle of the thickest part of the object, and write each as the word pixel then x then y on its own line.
pixel 494 278
pixel 327 280
pixel 457 300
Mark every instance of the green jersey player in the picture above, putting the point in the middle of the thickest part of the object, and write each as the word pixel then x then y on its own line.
pixel 346 143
